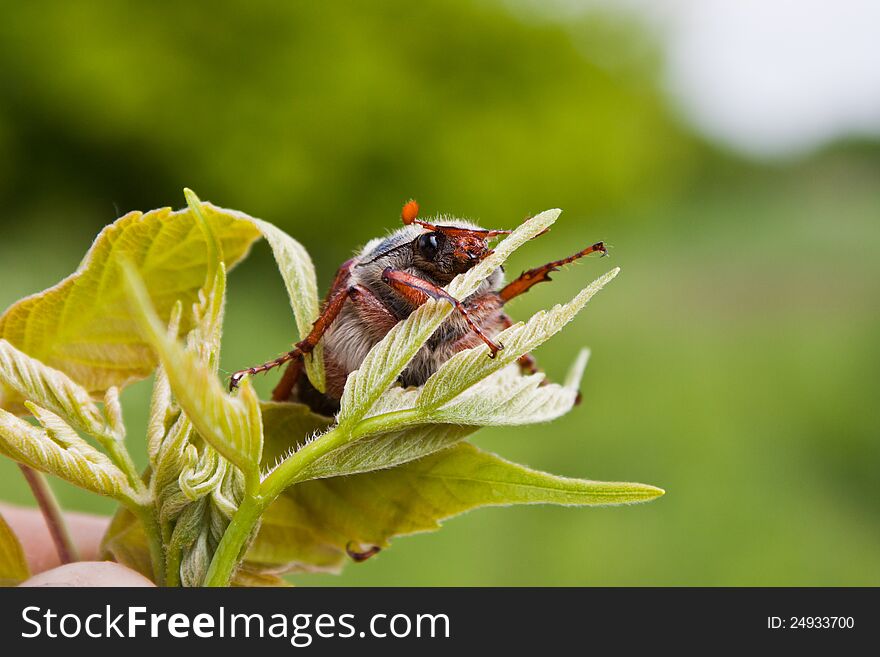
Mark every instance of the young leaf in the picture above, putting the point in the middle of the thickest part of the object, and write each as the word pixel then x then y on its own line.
pixel 82 327
pixel 508 398
pixel 13 566
pixel 169 461
pixel 288 426
pixel 161 400
pixel 387 359
pixel 231 425
pixel 385 450
pixel 468 367
pixel 369 509
pixel 205 476
pixel 113 411
pixel 503 398
pixel 57 449
pixel 299 277
pixel 51 389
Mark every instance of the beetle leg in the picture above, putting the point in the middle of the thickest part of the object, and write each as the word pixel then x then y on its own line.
pixel 300 349
pixel 418 290
pixel 281 392
pixel 339 292
pixel 537 275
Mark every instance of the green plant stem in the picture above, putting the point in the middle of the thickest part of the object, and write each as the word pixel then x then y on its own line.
pixel 51 511
pixel 147 516
pixel 142 506
pixel 172 568
pixel 230 550
pixel 234 541
pixel 120 456
pixel 289 470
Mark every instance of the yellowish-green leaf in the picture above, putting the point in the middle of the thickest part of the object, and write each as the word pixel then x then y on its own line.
pixel 287 426
pixel 13 566
pixel 508 398
pixel 231 425
pixel 299 277
pixel 385 450
pixel 82 326
pixel 125 542
pixel 52 389
pixel 369 509
pixel 254 578
pixel 470 366
pixel 387 359
pixel 212 244
pixel 57 449
pixel 161 410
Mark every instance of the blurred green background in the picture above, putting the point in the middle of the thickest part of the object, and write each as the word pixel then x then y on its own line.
pixel 734 360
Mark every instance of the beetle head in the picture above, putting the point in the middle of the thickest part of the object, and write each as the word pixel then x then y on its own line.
pixel 445 251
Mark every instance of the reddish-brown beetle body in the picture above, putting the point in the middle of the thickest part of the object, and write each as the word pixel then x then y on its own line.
pixel 384 283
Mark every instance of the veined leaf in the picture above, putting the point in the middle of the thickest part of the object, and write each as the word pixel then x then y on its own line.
pixel 57 449
pixel 13 566
pixel 82 325
pixel 51 389
pixel 503 398
pixel 231 425
pixel 299 277
pixel 369 509
pixel 161 401
pixel 288 426
pixel 387 359
pixel 386 450
pixel 508 398
pixel 470 366
pixel 169 461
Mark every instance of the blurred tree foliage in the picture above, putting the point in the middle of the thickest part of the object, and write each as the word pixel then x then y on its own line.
pixel 325 114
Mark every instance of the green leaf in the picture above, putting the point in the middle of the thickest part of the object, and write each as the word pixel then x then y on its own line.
pixel 161 409
pixel 288 426
pixel 125 542
pixel 502 398
pixel 299 277
pixel 311 524
pixel 387 359
pixel 470 366
pixel 57 449
pixel 231 425
pixel 82 325
pixel 506 398
pixel 252 578
pixel 13 566
pixel 385 450
pixel 509 398
pixel 51 389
